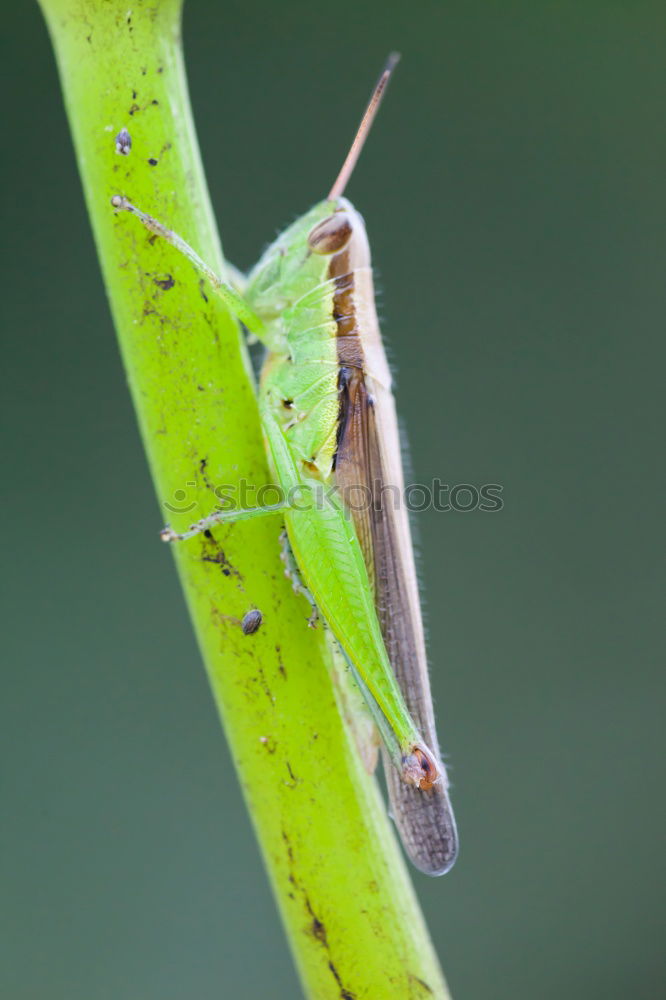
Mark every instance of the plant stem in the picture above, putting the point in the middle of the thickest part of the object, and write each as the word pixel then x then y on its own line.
pixel 347 904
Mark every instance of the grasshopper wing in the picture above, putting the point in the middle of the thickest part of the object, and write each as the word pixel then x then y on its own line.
pixel 368 472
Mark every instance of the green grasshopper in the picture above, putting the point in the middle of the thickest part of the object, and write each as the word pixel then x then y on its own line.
pixel 331 435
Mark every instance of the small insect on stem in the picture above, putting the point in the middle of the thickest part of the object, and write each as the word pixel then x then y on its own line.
pixel 123 142
pixel 251 622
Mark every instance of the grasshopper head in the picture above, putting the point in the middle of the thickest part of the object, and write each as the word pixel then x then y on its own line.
pixel 298 260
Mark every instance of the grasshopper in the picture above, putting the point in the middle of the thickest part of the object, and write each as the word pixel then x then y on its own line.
pixel 331 434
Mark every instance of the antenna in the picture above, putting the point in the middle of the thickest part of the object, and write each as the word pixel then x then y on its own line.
pixel 363 129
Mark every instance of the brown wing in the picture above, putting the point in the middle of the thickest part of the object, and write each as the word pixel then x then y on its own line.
pixel 368 474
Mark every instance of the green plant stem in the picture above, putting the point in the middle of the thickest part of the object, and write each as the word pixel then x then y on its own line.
pixel 346 900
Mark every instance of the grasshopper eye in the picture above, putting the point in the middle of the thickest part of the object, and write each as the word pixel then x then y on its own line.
pixel 331 234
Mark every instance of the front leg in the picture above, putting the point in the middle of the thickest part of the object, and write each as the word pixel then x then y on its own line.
pixel 232 298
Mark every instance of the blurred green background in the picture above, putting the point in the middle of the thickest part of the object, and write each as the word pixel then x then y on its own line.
pixel 513 191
